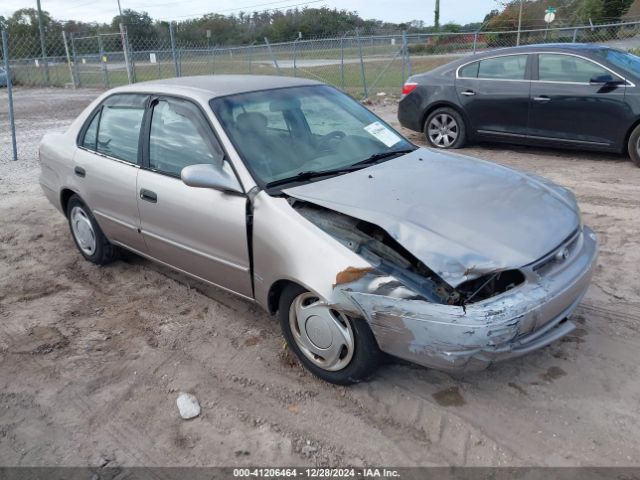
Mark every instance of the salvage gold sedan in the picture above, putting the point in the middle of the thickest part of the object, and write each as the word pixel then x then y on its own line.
pixel 293 195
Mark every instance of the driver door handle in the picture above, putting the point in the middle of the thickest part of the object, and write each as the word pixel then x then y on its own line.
pixel 468 93
pixel 148 196
pixel 541 99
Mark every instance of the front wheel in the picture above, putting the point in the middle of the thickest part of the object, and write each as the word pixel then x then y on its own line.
pixel 633 146
pixel 334 347
pixel 444 128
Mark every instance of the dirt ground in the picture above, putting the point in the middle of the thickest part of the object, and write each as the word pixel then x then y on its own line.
pixel 92 358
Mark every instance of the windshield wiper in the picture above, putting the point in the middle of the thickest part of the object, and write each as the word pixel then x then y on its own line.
pixel 309 175
pixel 382 156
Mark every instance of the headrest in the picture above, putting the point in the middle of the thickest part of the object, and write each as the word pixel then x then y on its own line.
pixel 251 121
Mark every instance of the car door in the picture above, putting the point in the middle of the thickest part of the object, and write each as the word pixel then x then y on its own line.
pixel 494 93
pixel 567 108
pixel 200 231
pixel 106 167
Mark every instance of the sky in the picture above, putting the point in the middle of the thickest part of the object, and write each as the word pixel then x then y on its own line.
pixel 459 11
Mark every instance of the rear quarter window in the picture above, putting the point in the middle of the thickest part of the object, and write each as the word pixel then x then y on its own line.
pixel 469 71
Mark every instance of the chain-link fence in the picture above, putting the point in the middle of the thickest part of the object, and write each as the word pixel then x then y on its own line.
pixel 364 66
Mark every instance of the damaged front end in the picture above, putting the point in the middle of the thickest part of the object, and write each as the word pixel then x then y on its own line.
pixel 416 315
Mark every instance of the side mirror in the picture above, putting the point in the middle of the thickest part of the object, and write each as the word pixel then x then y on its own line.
pixel 606 80
pixel 218 177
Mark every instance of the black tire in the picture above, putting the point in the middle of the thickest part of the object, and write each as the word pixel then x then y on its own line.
pixel 460 128
pixel 633 146
pixel 366 354
pixel 104 252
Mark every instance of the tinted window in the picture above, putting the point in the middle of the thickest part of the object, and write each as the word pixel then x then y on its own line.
pixel 469 71
pixel 119 127
pixel 566 68
pixel 621 59
pixel 180 137
pixel 511 67
pixel 89 140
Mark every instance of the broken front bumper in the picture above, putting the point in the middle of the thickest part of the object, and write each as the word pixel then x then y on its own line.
pixel 514 323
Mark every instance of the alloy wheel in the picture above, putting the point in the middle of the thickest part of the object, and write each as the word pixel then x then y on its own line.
pixel 443 130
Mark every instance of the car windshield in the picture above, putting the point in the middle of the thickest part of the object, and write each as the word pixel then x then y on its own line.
pixel 294 134
pixel 624 60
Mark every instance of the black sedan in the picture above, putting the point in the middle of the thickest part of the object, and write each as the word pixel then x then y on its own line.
pixel 561 95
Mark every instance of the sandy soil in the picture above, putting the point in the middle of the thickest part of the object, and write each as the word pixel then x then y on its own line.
pixel 92 358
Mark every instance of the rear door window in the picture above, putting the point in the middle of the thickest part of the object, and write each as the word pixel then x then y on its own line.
pixel 509 67
pixel 120 120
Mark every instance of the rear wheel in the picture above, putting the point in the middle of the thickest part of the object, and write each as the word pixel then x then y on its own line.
pixel 87 235
pixel 337 348
pixel 633 146
pixel 444 128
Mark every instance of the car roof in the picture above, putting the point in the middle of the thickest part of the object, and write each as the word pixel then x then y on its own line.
pixel 561 47
pixel 212 86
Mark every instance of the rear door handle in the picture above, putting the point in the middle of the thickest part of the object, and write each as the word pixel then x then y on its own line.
pixel 79 171
pixel 541 99
pixel 468 93
pixel 148 196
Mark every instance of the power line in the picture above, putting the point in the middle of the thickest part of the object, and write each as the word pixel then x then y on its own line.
pixel 241 9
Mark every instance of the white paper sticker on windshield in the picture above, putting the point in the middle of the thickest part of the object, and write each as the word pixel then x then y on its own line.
pixel 382 133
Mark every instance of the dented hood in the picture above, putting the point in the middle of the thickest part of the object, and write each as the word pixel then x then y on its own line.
pixel 460 216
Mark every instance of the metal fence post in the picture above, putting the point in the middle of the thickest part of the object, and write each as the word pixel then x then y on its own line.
pixel 250 55
pixel 76 68
pixel 475 42
pixel 342 62
pixel 172 36
pixel 105 73
pixel 295 66
pixel 362 72
pixel 575 36
pixel 66 50
pixel 7 68
pixel 273 57
pixel 406 58
pixel 125 52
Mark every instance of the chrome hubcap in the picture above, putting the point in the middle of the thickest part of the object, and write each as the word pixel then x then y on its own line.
pixel 443 130
pixel 323 335
pixel 83 230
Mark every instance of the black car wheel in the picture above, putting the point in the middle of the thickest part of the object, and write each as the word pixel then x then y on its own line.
pixel 634 146
pixel 444 128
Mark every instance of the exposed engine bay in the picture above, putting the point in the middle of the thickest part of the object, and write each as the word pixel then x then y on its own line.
pixel 390 258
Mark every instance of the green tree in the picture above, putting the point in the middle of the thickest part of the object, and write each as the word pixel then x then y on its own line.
pixel 139 24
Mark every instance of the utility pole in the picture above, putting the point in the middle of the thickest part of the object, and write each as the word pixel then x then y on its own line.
pixel 436 17
pixel 125 46
pixel 519 23
pixel 43 48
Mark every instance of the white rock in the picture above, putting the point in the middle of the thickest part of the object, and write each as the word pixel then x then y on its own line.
pixel 308 450
pixel 188 406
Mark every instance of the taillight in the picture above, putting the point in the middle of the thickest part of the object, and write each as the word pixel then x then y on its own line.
pixel 408 87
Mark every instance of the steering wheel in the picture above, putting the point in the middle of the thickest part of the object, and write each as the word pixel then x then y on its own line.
pixel 324 142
